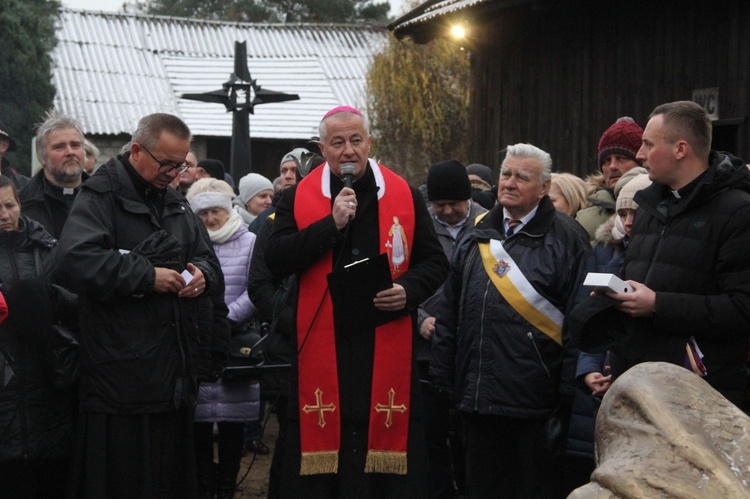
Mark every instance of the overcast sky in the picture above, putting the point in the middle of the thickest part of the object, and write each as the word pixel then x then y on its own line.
pixel 116 5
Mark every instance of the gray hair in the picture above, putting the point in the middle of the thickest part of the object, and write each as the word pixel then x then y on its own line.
pixel 151 127
pixel 322 129
pixel 91 150
pixel 532 152
pixel 125 148
pixel 53 123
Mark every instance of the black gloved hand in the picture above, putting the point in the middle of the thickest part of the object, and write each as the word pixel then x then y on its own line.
pixel 161 249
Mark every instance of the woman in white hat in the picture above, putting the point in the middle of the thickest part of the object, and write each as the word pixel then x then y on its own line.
pixel 256 194
pixel 229 405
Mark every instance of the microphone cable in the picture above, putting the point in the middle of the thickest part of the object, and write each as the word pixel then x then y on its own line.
pixel 327 290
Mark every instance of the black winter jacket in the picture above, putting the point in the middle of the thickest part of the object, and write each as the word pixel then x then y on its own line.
pixel 694 255
pixel 7 170
pixel 44 203
pixel 498 363
pixel 139 349
pixel 36 417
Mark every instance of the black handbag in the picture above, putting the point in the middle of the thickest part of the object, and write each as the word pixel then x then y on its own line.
pixel 245 353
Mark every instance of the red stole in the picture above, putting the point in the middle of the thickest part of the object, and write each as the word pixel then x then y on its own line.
pixel 319 414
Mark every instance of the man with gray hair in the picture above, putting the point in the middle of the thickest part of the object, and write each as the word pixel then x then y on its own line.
pixel 145 274
pixel 501 343
pixel 49 195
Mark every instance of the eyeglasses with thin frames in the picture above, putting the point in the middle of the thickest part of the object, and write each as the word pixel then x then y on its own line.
pixel 167 166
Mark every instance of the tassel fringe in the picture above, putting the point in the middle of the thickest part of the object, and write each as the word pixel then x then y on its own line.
pixel 379 461
pixel 317 463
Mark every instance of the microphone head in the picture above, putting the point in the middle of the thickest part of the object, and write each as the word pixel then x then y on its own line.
pixel 347 169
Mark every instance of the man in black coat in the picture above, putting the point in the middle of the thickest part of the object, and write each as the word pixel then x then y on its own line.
pixel 143 267
pixel 688 258
pixel 47 198
pixel 501 339
pixel 355 409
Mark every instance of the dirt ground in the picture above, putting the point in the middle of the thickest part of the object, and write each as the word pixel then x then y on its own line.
pixel 255 484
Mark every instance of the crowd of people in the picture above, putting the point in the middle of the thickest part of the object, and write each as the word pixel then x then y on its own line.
pixel 434 342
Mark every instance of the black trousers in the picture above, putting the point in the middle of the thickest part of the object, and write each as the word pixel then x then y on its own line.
pixel 35 478
pixel 445 459
pixel 230 453
pixel 507 458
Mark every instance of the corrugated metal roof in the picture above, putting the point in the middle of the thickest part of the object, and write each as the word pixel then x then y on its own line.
pixel 439 9
pixel 112 69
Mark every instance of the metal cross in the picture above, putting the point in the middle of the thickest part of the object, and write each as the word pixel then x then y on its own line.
pixel 319 408
pixel 240 94
pixel 390 408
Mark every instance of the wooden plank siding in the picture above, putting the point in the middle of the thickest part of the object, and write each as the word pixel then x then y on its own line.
pixel 557 74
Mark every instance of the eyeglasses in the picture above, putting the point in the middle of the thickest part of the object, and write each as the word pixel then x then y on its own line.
pixel 167 166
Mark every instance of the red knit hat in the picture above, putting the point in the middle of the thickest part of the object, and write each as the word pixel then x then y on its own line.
pixel 623 137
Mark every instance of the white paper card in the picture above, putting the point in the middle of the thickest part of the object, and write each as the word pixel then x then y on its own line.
pixel 187 276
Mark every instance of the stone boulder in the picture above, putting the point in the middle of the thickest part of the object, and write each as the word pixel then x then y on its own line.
pixel 661 432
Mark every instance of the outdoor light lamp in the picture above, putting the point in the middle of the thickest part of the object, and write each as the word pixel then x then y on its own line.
pixel 458 31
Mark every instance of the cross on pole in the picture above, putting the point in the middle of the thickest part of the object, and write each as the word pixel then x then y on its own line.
pixel 390 408
pixel 319 408
pixel 240 94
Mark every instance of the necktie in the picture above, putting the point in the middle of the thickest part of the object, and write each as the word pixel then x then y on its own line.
pixel 512 227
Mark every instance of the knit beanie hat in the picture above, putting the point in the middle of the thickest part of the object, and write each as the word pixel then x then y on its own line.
pixel 213 167
pixel 625 199
pixel 298 155
pixel 448 181
pixel 481 171
pixel 627 177
pixel 251 185
pixel 209 193
pixel 623 137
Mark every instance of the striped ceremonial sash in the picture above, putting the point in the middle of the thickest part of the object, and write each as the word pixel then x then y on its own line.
pixel 512 284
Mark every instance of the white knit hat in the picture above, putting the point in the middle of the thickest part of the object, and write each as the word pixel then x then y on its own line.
pixel 210 192
pixel 206 200
pixel 625 197
pixel 251 185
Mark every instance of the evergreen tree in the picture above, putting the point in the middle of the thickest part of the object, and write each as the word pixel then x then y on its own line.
pixel 319 11
pixel 418 105
pixel 28 35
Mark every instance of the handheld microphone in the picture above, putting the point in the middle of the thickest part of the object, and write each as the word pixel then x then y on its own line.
pixel 347 170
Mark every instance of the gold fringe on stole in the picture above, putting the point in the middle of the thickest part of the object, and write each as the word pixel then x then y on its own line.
pixel 381 461
pixel 317 463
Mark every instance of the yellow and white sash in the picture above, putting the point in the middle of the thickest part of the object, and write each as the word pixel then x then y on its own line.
pixel 509 280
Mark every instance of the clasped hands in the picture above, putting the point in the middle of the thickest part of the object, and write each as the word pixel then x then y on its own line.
pixel 171 281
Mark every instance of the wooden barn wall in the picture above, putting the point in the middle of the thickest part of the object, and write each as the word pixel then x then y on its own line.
pixel 558 77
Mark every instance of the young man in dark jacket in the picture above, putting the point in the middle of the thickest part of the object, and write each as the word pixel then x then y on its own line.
pixel 688 259
pixel 500 338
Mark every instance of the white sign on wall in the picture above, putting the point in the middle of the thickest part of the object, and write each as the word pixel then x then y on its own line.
pixel 708 99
